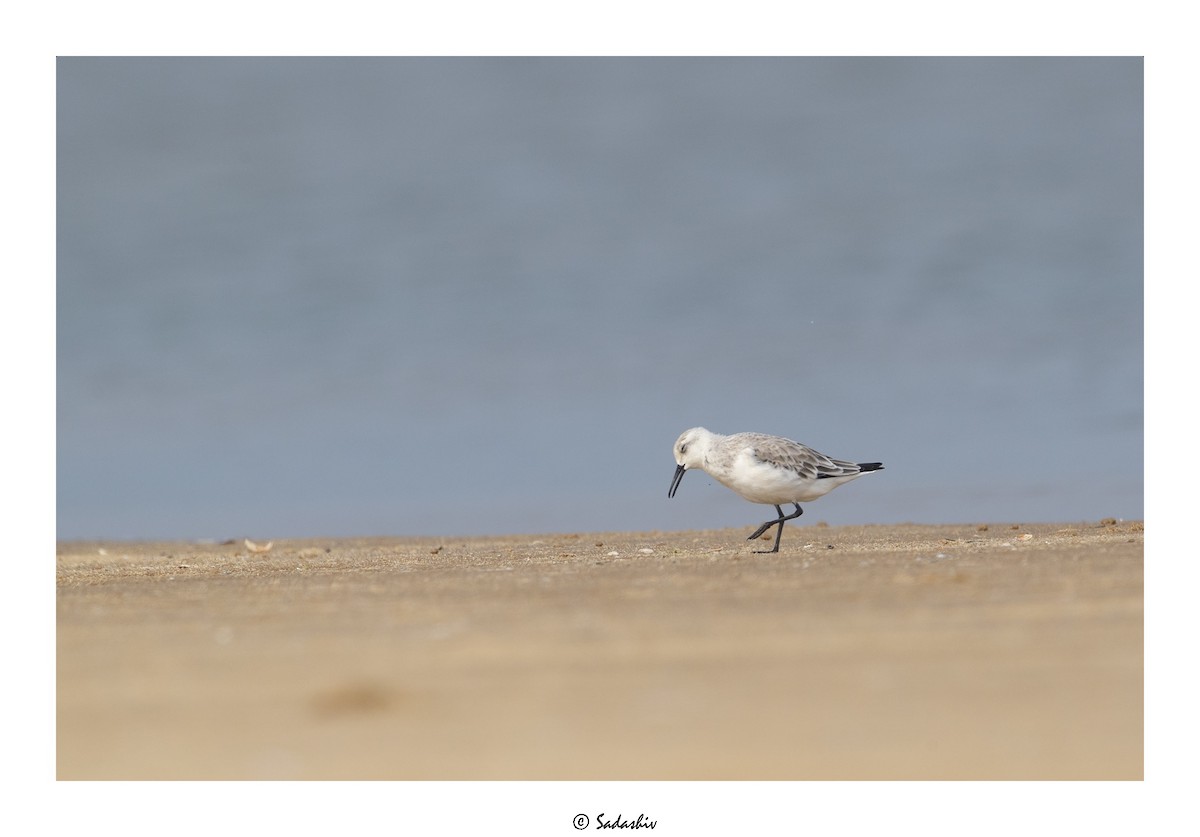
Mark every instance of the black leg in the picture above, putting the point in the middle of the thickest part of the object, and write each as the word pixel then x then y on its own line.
pixel 758 532
pixel 779 533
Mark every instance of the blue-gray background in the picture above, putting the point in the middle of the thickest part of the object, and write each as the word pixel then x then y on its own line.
pixel 461 296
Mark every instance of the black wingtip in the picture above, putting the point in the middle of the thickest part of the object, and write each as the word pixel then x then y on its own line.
pixel 870 466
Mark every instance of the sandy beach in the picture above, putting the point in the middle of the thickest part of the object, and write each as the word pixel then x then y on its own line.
pixel 1003 651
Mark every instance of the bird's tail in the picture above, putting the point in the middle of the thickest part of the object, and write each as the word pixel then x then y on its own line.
pixel 870 466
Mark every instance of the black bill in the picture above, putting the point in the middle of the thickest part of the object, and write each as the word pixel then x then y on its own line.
pixel 679 472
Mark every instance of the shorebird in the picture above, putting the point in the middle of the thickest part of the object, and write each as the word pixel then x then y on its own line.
pixel 764 469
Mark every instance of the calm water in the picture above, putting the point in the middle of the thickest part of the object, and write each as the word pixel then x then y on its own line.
pixel 419 296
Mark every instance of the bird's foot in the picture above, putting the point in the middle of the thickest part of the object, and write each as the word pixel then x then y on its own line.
pixel 762 530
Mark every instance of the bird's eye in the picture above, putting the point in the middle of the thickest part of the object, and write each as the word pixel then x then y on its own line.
pixel 683 448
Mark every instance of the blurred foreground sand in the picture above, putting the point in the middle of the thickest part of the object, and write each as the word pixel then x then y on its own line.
pixel 915 652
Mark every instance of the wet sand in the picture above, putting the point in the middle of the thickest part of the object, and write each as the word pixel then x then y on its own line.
pixel 876 652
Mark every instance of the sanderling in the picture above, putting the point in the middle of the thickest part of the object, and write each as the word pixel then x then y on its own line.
pixel 764 469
